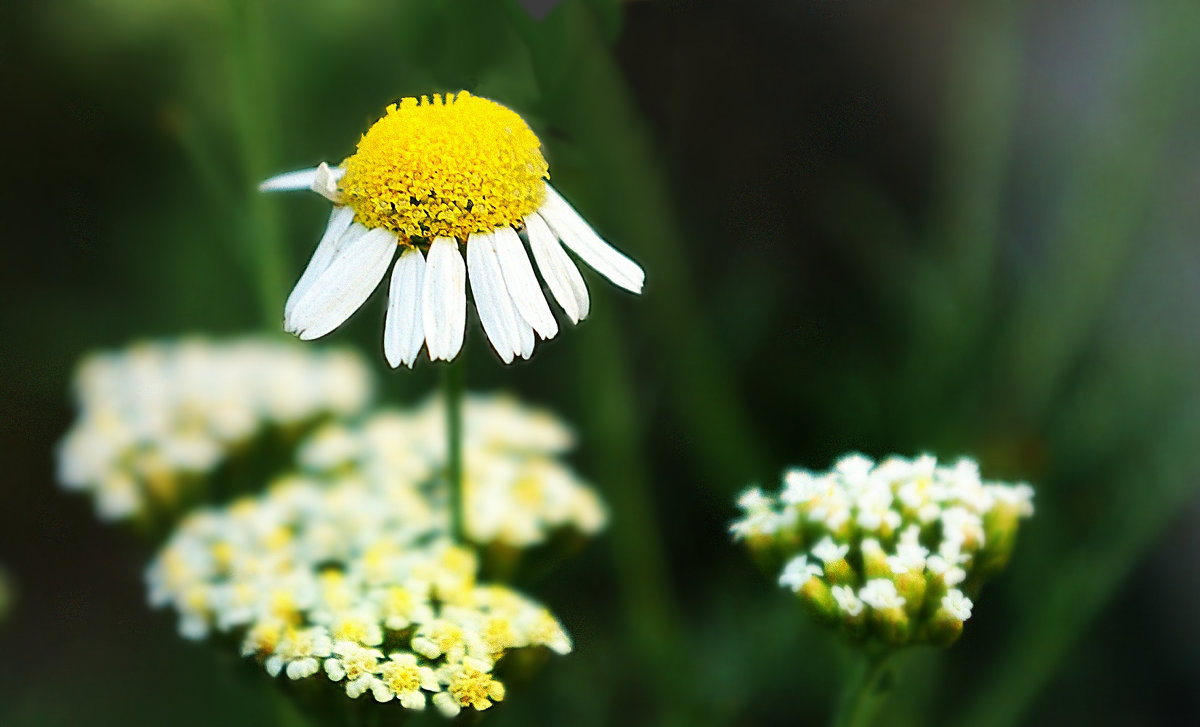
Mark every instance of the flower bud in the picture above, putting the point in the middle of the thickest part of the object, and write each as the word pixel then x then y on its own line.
pixel 820 601
pixel 875 560
pixel 911 586
pixel 947 623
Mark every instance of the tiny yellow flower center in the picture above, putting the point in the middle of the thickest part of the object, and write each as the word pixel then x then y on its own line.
pixel 360 663
pixel 447 636
pixel 445 168
pixel 498 634
pixel 351 628
pixel 474 687
pixel 401 678
pixel 264 637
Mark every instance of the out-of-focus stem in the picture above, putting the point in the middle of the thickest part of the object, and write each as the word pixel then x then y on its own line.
pixel 866 693
pixel 250 97
pixel 1105 201
pixel 452 391
pixel 619 465
pixel 1064 609
pixel 978 137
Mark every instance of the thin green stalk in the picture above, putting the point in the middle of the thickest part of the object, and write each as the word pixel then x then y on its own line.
pixel 250 97
pixel 953 308
pixel 452 390
pixel 1085 584
pixel 871 687
pixel 978 135
pixel 614 430
pixel 1107 196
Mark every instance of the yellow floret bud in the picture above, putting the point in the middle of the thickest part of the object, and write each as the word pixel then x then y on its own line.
pixel 839 572
pixel 819 600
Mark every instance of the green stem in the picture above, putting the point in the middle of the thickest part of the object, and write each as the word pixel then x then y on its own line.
pixel 1109 193
pixel 867 693
pixel 452 390
pixel 250 97
pixel 978 137
pixel 614 428
pixel 1078 592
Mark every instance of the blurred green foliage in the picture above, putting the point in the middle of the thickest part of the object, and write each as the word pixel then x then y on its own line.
pixel 897 227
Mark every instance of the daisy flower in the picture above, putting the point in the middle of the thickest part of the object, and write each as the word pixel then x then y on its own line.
pixel 439 180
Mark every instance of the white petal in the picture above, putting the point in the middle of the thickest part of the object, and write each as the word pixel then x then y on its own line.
pixel 444 299
pixel 413 700
pixel 578 235
pixel 325 182
pixel 299 179
pixel 331 242
pixel 446 704
pixel 559 271
pixel 525 336
pixel 404 329
pixel 491 297
pixel 523 339
pixel 344 286
pixel 522 284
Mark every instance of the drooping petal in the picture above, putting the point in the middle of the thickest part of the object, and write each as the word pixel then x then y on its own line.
pixel 342 287
pixel 523 284
pixel 333 239
pixel 559 271
pixel 325 183
pixel 288 181
pixel 578 235
pixel 525 337
pixel 321 179
pixel 444 299
pixel 492 301
pixel 404 328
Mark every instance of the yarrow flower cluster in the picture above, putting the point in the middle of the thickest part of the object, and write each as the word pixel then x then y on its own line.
pixel 157 417
pixel 516 491
pixel 889 553
pixel 339 582
pixel 432 180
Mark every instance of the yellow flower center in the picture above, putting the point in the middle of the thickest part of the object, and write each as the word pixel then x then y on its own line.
pixel 445 168
pixel 499 634
pixel 474 687
pixel 401 678
pixel 359 663
pixel 350 629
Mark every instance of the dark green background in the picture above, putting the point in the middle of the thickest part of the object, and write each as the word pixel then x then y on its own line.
pixel 884 226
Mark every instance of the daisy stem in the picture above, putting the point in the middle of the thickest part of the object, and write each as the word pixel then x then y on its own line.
pixel 452 389
pixel 867 692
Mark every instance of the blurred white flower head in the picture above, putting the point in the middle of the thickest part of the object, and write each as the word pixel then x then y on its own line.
pixel 342 582
pixel 886 552
pixel 156 417
pixel 517 491
pixel 434 179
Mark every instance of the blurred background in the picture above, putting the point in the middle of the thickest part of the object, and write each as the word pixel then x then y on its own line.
pixel 961 228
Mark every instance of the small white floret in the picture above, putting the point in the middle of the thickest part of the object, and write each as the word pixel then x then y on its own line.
pixel 957 605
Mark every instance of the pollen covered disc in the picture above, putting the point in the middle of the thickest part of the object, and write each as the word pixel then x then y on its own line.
pixel 446 168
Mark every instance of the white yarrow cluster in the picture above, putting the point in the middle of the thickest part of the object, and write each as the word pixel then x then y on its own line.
pixel 517 491
pixel 157 416
pixel 343 582
pixel 889 550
